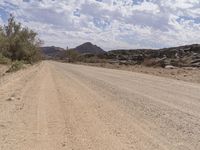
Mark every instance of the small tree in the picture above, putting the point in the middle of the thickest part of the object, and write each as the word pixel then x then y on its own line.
pixel 1 39
pixel 19 43
pixel 72 55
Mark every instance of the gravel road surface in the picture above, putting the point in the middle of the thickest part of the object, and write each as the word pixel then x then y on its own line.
pixel 59 106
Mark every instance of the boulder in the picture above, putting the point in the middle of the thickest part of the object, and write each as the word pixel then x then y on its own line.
pixel 170 67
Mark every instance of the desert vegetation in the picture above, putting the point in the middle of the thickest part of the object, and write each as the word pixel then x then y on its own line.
pixel 181 57
pixel 18 44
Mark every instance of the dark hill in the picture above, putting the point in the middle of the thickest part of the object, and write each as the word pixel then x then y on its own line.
pixel 89 48
pixel 52 52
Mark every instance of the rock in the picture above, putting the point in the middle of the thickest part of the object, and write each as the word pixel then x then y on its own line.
pixel 170 67
pixel 63 144
pixel 11 99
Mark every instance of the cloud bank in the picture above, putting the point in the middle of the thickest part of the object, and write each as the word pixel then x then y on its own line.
pixel 110 24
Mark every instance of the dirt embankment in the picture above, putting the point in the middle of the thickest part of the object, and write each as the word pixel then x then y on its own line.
pixel 59 106
pixel 184 74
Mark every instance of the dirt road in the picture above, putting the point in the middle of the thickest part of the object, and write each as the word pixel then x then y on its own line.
pixel 57 106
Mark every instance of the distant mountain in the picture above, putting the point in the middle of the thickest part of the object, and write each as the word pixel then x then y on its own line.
pixel 89 48
pixel 182 56
pixel 52 52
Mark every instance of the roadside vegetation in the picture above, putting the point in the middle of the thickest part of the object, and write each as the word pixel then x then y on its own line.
pixel 18 45
pixel 73 56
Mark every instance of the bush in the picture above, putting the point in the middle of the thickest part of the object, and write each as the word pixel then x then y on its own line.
pixel 17 65
pixel 4 60
pixel 72 55
pixel 19 43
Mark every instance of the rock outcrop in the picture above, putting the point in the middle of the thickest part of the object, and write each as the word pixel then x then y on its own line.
pixel 183 56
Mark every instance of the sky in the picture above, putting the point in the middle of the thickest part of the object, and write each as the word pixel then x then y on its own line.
pixel 110 24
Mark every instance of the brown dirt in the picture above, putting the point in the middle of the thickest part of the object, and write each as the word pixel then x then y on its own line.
pixel 184 74
pixel 58 106
pixel 3 69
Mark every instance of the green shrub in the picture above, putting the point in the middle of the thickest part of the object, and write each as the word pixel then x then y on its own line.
pixel 4 60
pixel 72 55
pixel 17 65
pixel 19 43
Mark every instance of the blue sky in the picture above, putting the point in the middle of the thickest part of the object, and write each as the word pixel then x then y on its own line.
pixel 111 24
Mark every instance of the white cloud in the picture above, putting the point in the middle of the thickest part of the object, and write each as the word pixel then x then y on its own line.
pixel 109 23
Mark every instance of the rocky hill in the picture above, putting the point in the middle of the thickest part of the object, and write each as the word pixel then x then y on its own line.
pixel 52 52
pixel 182 56
pixel 89 48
